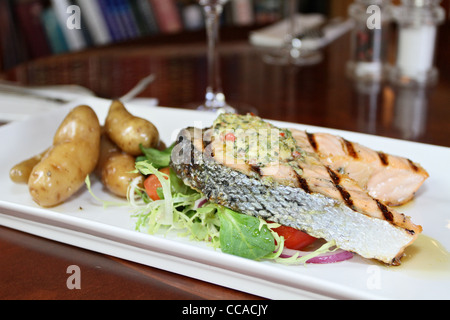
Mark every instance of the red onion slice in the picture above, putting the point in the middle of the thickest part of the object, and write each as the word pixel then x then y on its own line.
pixel 200 203
pixel 324 258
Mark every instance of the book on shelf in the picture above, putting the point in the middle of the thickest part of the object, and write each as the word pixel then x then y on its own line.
pixel 267 11
pixel 126 18
pixel 242 12
pixel 92 15
pixel 145 19
pixel 12 44
pixel 74 36
pixel 167 15
pixel 35 28
pixel 28 14
pixel 55 35
pixel 115 27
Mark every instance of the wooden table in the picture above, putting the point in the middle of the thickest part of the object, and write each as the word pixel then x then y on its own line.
pixel 36 268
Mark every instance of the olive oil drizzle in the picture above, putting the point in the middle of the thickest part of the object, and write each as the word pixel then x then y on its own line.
pixel 426 258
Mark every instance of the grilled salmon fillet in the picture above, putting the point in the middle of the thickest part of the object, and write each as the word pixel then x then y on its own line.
pixel 252 167
pixel 391 179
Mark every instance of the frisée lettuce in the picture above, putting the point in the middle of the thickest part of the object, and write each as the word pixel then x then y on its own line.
pixel 180 210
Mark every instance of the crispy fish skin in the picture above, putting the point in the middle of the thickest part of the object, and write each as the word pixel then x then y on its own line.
pixel 319 214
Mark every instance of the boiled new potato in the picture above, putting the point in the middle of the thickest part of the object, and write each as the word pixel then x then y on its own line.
pixel 20 173
pixel 80 124
pixel 115 168
pixel 74 155
pixel 128 131
pixel 117 173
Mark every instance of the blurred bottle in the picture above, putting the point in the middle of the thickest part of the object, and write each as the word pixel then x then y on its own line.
pixel 369 39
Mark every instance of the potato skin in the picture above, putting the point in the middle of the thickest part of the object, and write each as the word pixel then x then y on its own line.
pixel 116 173
pixel 80 123
pixel 114 167
pixel 20 173
pixel 128 131
pixel 74 155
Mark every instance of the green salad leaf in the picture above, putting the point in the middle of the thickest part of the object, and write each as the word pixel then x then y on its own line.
pixel 158 158
pixel 234 233
pixel 244 236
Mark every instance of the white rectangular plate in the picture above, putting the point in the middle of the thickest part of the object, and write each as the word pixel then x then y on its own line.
pixel 84 223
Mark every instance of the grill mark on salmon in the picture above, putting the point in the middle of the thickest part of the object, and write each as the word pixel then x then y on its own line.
pixel 317 200
pixel 344 193
pixel 383 158
pixel 388 215
pixel 303 183
pixel 350 149
pixel 312 140
pixel 391 179
pixel 386 212
pixel 413 165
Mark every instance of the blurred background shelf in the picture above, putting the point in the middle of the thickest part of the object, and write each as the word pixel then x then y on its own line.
pixel 31 29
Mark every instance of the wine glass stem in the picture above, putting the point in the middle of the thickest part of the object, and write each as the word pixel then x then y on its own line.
pixel 214 95
pixel 293 7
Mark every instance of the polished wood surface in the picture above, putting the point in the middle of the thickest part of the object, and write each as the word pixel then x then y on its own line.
pixel 321 95
pixel 36 268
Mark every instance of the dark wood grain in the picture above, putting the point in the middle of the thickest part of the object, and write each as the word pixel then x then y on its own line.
pixel 35 268
pixel 319 95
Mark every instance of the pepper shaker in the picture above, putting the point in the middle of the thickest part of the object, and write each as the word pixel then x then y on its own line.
pixel 417 32
pixel 369 39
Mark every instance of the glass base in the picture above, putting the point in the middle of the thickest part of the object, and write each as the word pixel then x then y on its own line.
pixel 366 71
pixel 425 78
pixel 233 107
pixel 217 109
pixel 291 56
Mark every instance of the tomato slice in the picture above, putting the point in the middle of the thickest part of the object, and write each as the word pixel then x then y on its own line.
pixel 294 239
pixel 151 184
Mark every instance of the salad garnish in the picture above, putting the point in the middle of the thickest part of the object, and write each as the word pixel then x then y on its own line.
pixel 184 210
pixel 187 211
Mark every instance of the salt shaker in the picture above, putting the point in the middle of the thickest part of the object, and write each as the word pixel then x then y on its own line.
pixel 369 39
pixel 417 32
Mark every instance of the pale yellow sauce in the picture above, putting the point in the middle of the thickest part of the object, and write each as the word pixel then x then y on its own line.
pixel 426 258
